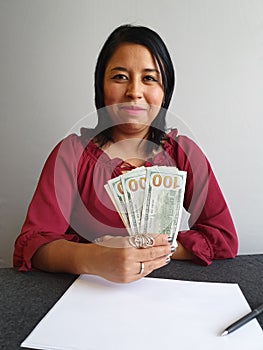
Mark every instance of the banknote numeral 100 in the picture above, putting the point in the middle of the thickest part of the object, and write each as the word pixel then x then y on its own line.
pixel 167 181
pixel 134 184
pixel 119 188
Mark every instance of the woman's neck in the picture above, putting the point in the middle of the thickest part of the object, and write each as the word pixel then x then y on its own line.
pixel 131 148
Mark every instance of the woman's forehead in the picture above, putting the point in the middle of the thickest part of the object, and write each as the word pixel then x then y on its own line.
pixel 131 54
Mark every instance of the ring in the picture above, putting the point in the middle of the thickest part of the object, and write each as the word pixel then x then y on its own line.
pixel 141 241
pixel 142 269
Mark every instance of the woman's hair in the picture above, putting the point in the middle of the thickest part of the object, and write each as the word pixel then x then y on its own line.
pixel 153 42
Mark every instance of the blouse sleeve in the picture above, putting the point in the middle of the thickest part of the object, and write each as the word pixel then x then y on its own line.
pixel 48 214
pixel 212 234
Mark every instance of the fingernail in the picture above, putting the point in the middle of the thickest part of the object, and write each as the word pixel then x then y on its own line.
pixel 172 249
pixel 168 259
pixel 170 239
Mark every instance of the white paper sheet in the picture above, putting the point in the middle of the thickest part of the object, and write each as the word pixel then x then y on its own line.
pixel 150 314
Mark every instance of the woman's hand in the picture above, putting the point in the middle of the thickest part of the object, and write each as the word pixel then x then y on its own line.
pixel 114 259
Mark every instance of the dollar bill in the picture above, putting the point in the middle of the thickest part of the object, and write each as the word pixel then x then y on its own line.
pixel 150 200
pixel 115 191
pixel 163 201
pixel 146 199
pixel 133 185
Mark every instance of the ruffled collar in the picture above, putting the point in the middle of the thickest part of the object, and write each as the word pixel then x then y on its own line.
pixel 164 157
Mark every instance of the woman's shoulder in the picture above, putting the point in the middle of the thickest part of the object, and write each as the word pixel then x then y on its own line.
pixel 81 140
pixel 181 144
pixel 175 139
pixel 74 145
pixel 84 137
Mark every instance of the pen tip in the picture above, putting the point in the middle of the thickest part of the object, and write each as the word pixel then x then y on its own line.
pixel 224 333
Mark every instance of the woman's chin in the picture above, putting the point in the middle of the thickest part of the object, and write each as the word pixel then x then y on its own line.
pixel 135 128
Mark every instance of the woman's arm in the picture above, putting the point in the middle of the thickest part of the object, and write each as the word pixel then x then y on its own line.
pixel 181 253
pixel 114 259
pixel 48 214
pixel 212 234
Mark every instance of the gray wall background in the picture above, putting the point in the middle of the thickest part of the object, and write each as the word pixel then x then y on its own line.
pixel 48 50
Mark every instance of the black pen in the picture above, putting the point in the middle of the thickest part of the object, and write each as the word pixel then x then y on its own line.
pixel 242 321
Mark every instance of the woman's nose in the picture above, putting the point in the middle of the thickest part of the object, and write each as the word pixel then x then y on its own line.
pixel 134 90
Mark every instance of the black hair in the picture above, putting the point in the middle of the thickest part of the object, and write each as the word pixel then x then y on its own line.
pixel 154 43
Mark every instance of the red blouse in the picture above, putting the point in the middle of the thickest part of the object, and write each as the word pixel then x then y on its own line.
pixel 70 201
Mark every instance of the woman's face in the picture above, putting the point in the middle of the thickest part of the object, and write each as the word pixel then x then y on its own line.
pixel 133 91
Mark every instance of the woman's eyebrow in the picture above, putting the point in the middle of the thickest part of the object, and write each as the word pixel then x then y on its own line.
pixel 126 70
pixel 151 70
pixel 119 68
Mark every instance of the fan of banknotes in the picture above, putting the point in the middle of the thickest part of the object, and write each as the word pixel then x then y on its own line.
pixel 149 199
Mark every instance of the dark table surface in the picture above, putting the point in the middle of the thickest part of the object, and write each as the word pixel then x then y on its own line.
pixel 26 297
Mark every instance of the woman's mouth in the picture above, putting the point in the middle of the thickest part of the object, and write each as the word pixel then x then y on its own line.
pixel 133 110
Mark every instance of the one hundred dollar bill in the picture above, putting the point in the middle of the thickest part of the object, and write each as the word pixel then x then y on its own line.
pixel 163 201
pixel 115 191
pixel 149 200
pixel 133 185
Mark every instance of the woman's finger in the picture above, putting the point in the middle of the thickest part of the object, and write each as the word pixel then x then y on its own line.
pixel 127 242
pixel 160 238
pixel 153 253
pixel 144 268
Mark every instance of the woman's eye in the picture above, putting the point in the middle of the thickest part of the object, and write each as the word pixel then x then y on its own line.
pixel 150 78
pixel 119 77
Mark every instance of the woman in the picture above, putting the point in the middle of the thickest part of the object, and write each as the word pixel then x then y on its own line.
pixel 134 82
